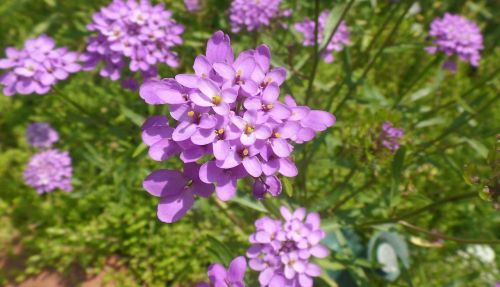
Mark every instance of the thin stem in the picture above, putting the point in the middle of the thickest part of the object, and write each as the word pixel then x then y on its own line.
pixel 352 195
pixel 330 37
pixel 446 237
pixel 374 58
pixel 315 52
pixel 415 81
pixel 237 223
pixel 418 211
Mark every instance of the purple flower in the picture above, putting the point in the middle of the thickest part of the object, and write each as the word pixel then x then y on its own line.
pixel 137 35
pixel 232 277
pixel 176 190
pixel 49 170
pixel 339 39
pixel 252 14
pixel 227 116
pixel 455 35
pixel 390 136
pixel 192 5
pixel 41 135
pixel 37 67
pixel 281 250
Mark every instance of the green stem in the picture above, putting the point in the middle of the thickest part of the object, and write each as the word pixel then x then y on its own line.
pixel 418 211
pixel 370 65
pixel 315 52
pixel 446 237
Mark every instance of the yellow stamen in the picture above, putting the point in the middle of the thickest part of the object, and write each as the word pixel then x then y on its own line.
pixel 216 100
pixel 245 152
pixel 191 113
pixel 268 80
pixel 277 135
pixel 219 131
pixel 238 73
pixel 269 106
pixel 248 129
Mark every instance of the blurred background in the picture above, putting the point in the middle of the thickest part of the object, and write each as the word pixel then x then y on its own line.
pixel 440 182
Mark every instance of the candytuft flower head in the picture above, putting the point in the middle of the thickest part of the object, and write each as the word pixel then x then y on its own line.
pixel 457 36
pixel 252 14
pixel 282 249
pixel 228 117
pixel 232 277
pixel 41 135
pixel 137 35
pixel 192 5
pixel 339 39
pixel 390 136
pixel 48 171
pixel 36 67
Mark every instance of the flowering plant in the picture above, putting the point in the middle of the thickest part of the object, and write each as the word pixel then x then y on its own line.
pixel 229 116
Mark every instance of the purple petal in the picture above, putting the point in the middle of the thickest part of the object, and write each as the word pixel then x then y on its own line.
pixel 253 103
pixel 221 149
pixel 248 139
pixel 252 166
pixel 208 88
pixel 164 182
pixel 203 137
pixel 281 147
pixel 280 111
pixel 263 57
pixel 277 75
pixel 225 71
pixel 305 281
pixel 183 131
pixel 232 160
pixel 262 132
pixel 221 109
pixel 201 100
pixel 192 154
pixel 219 48
pixel 319 251
pixel 202 66
pixel 217 272
pixel 163 150
pixel 173 208
pixel 236 270
pixel 318 120
pixel 210 173
pixel 187 80
pixel 271 93
pixel 226 190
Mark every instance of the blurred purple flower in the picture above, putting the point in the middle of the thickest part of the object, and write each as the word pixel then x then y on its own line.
pixel 36 67
pixel 232 277
pixel 49 170
pixel 137 35
pixel 281 250
pixel 229 116
pixel 252 14
pixel 339 39
pixel 192 5
pixel 455 35
pixel 41 135
pixel 390 136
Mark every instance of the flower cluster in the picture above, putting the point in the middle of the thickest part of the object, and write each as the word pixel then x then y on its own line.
pixel 192 5
pixel 139 32
pixel 252 14
pixel 41 135
pixel 232 277
pixel 36 67
pixel 228 115
pixel 390 136
pixel 456 35
pixel 281 250
pixel 49 170
pixel 339 39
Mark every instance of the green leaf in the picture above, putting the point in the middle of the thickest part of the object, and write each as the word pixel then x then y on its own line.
pixel 139 149
pixel 391 244
pixel 331 23
pixel 398 163
pixel 287 186
pixel 478 147
pixel 247 202
pixel 219 250
pixel 133 116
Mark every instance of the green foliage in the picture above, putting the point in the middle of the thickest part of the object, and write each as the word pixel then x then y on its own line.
pixel 448 152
